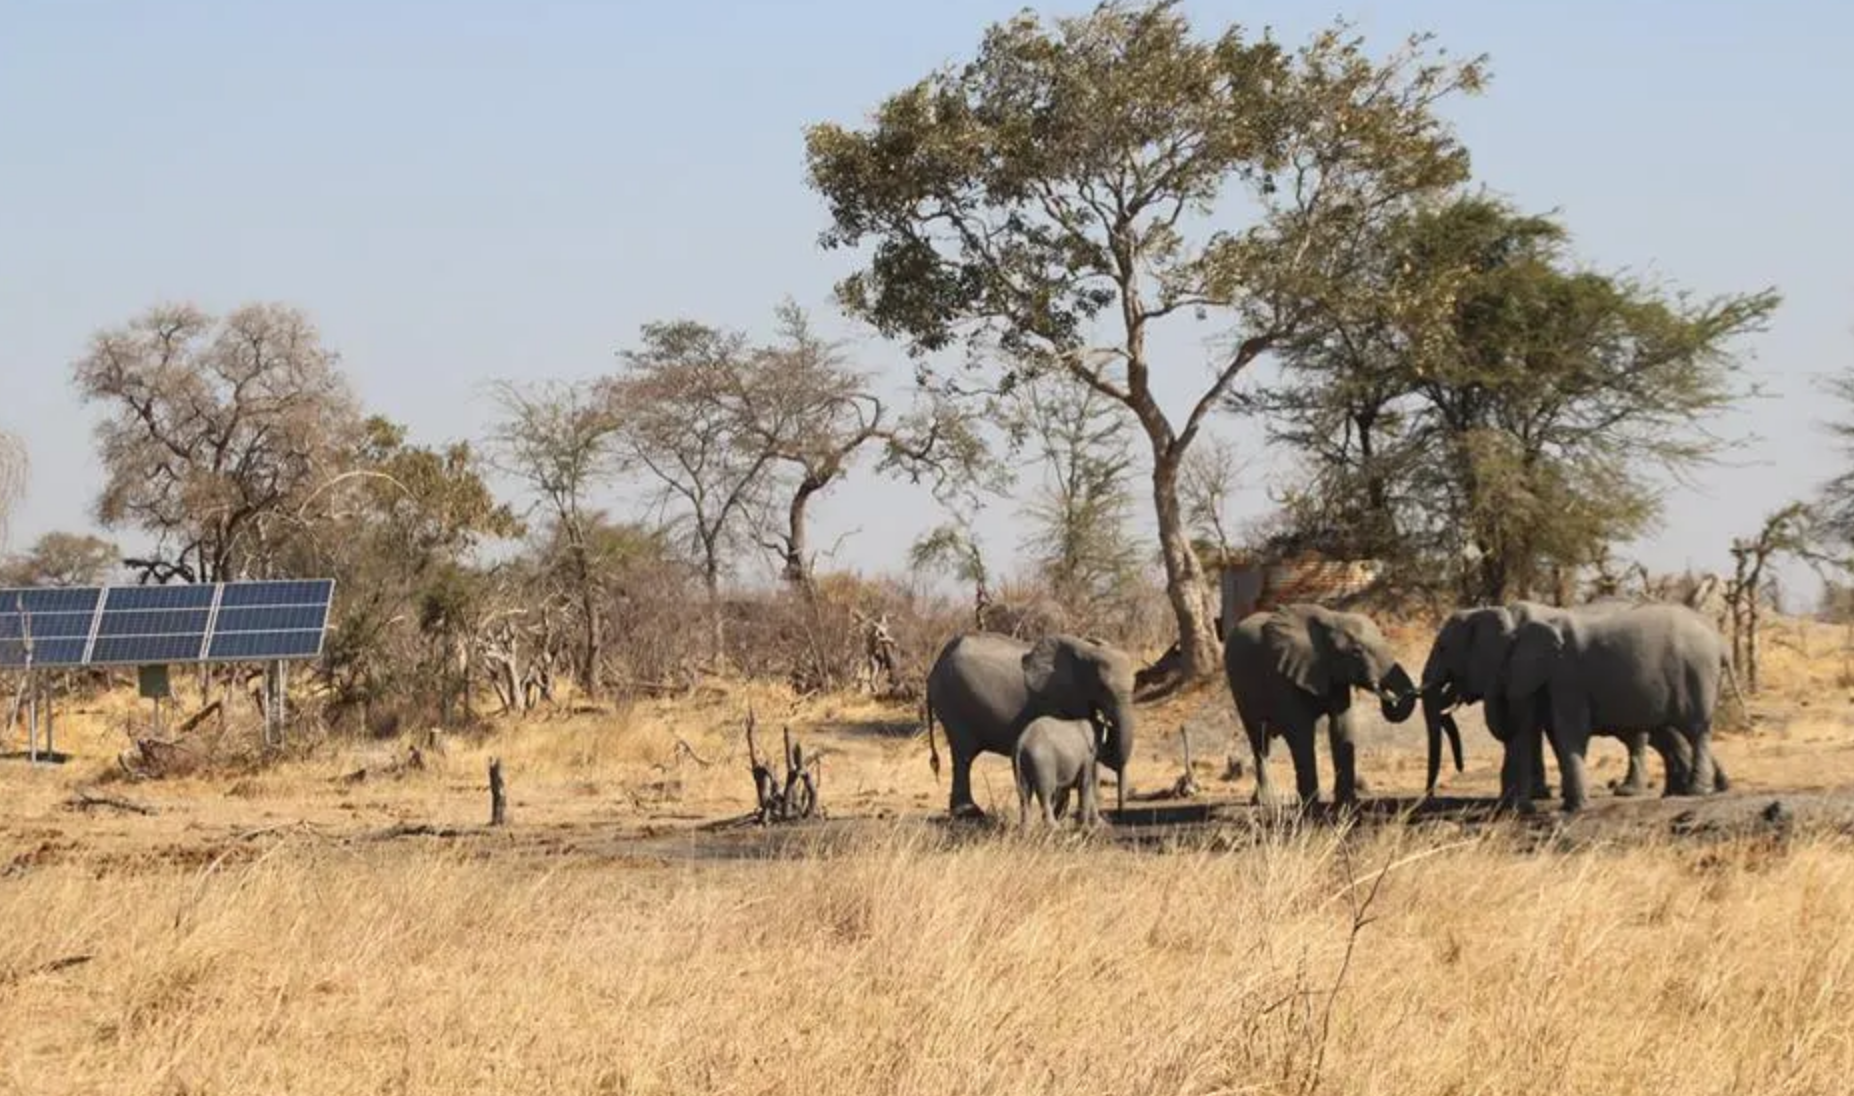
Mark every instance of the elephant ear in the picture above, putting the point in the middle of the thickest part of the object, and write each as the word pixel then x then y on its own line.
pixel 1489 641
pixel 1040 662
pixel 1533 659
pixel 1298 656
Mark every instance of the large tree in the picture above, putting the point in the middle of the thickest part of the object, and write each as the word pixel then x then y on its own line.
pixel 1500 405
pixel 219 431
pixel 1044 205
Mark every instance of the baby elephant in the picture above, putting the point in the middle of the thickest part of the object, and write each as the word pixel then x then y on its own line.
pixel 1053 756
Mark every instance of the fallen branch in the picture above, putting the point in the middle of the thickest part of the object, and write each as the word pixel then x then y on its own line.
pixel 684 749
pixel 64 963
pixel 416 829
pixel 83 799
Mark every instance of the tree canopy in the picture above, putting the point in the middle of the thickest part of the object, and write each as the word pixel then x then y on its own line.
pixel 1045 205
pixel 1507 408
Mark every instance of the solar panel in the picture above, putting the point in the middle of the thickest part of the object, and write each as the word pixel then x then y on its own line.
pixel 144 625
pixel 51 624
pixel 266 620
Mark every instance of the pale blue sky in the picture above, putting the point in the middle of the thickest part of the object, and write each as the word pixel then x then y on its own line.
pixel 471 190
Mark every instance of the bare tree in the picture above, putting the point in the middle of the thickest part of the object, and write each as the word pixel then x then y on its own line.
pixel 217 429
pixel 678 397
pixel 1206 480
pixel 561 440
pixel 1080 515
pixel 13 469
pixel 803 405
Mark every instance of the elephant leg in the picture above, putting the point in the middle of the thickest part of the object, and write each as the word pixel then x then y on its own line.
pixel 1339 736
pixel 1635 781
pixel 1258 746
pixel 1676 761
pixel 1537 787
pixel 1306 764
pixel 1570 744
pixel 1062 802
pixel 1090 796
pixel 960 804
pixel 1705 770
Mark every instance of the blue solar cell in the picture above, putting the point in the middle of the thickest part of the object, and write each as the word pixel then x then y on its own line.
pixel 44 625
pixel 45 652
pixel 192 596
pixel 150 622
pixel 242 595
pixel 142 650
pixel 50 599
pixel 271 618
pixel 233 646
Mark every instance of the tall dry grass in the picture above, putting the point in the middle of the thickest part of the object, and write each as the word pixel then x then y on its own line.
pixel 909 965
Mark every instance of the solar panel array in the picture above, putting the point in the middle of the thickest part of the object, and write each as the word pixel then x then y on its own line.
pixel 147 625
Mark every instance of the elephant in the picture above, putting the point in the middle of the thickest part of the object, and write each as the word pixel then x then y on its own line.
pixel 1653 668
pixel 1053 757
pixel 1464 667
pixel 1295 665
pixel 985 688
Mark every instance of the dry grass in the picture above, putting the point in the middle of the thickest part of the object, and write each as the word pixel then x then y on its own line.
pixel 907 967
pixel 250 937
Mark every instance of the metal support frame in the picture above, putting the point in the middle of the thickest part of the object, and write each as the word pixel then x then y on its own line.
pixel 275 690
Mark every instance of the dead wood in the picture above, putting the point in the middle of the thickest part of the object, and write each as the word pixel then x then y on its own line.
pixel 84 799
pixel 794 798
pixel 200 717
pixel 498 796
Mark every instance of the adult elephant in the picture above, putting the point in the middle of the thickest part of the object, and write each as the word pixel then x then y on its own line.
pixel 1291 668
pixel 1465 665
pixel 985 688
pixel 1649 669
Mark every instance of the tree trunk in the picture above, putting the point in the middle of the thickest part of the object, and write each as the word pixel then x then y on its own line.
pixel 1200 648
pixel 595 639
pixel 711 582
pixel 798 537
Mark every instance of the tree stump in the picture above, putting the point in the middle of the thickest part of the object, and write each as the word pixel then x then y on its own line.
pixel 498 794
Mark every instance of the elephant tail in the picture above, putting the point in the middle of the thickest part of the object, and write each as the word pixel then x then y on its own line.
pixel 933 752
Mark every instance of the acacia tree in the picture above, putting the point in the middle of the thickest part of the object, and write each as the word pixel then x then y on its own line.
pixel 1041 201
pixel 1835 509
pixel 561 440
pixel 62 559
pixel 1497 405
pixel 219 432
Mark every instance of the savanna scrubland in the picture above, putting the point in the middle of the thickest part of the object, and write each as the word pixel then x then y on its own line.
pixel 294 925
pixel 570 594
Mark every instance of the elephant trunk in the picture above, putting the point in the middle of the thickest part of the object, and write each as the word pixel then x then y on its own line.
pixel 1117 744
pixel 1396 694
pixel 1438 722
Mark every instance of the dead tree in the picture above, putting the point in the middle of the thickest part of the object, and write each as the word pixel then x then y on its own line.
pixel 788 800
pixel 1784 532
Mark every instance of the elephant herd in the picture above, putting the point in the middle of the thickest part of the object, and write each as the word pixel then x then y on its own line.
pixel 1648 673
